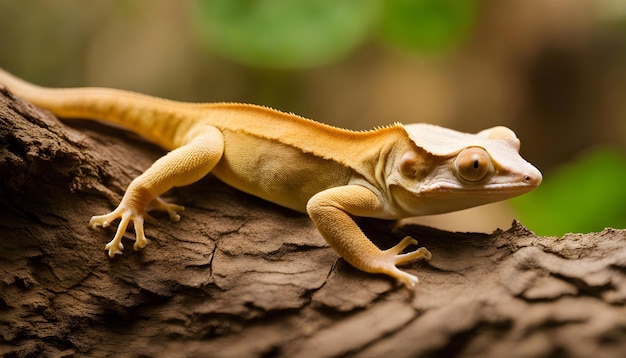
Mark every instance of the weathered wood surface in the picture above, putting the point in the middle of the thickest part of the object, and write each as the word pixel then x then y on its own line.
pixel 239 277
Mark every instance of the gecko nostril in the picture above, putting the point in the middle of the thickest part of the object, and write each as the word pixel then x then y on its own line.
pixel 532 179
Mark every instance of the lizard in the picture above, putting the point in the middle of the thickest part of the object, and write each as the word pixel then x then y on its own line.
pixel 331 174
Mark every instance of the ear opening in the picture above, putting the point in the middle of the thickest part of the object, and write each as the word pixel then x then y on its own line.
pixel 409 164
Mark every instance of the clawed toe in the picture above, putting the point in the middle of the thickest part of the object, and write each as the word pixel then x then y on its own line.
pixel 397 257
pixel 105 220
pixel 171 209
pixel 112 249
pixel 393 256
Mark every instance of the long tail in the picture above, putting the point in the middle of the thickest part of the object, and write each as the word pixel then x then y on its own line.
pixel 153 118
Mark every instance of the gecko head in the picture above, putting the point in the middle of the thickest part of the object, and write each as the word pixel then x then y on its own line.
pixel 444 170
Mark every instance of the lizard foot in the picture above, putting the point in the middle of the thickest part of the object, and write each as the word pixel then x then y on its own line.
pixel 393 256
pixel 126 214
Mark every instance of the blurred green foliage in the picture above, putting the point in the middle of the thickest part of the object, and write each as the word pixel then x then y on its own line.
pixel 284 34
pixel 305 33
pixel 427 25
pixel 583 196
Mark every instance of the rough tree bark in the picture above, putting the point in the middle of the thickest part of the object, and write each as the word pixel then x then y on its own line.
pixel 238 276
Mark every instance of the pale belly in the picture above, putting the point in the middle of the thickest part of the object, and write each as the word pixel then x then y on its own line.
pixel 276 172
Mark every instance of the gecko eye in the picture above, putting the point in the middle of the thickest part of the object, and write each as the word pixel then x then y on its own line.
pixel 473 164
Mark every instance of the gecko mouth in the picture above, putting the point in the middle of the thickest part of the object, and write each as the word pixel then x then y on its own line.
pixel 443 197
pixel 517 188
pixel 519 185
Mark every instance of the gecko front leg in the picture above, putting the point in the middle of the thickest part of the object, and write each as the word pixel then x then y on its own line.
pixel 182 166
pixel 331 209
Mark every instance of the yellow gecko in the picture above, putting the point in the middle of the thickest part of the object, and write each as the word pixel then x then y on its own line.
pixel 330 173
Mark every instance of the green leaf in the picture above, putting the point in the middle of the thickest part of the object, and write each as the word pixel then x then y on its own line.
pixel 427 25
pixel 284 34
pixel 584 196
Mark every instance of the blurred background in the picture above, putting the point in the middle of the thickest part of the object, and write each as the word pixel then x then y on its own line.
pixel 552 70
